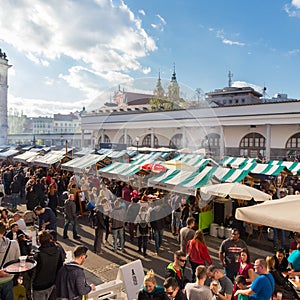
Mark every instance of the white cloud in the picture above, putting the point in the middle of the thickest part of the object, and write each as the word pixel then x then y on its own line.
pixel 106 37
pixel 296 3
pixel 294 52
pixel 293 8
pixel 37 60
pixel 220 34
pixel 247 84
pixel 93 43
pixel 146 70
pixel 162 20
pixel 43 107
pixel 160 24
pixel 90 81
pixel 142 12
pixel 229 42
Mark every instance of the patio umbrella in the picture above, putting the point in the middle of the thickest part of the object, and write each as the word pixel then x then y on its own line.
pixel 235 190
pixel 154 167
pixel 280 213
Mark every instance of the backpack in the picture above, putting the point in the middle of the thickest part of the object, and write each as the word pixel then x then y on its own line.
pixel 143 227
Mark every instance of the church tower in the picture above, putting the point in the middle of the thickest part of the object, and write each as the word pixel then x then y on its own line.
pixel 4 66
pixel 159 92
pixel 173 88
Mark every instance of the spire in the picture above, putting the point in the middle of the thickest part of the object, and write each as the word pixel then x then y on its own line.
pixel 173 93
pixel 159 91
pixel 174 74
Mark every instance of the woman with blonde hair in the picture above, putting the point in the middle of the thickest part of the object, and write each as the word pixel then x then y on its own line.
pixel 150 290
pixel 197 252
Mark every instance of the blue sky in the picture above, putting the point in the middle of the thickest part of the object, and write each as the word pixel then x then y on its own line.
pixel 65 53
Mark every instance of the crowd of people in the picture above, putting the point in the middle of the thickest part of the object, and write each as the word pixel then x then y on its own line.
pixel 112 207
pixel 236 281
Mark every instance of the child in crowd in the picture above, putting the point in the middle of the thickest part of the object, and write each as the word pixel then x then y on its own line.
pixel 240 281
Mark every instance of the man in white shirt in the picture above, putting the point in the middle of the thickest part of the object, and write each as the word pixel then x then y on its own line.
pixel 17 219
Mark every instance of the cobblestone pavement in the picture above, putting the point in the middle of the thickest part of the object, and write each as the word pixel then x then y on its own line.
pixel 104 268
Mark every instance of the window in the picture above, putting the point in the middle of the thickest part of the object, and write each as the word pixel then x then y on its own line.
pixel 176 141
pixel 129 140
pixel 293 145
pixel 106 139
pixel 147 141
pixel 253 145
pixel 211 143
pixel 230 101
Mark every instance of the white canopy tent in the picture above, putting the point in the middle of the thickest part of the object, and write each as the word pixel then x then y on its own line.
pixel 281 213
pixel 235 190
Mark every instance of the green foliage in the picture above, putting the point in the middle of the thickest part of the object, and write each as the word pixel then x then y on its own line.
pixel 157 104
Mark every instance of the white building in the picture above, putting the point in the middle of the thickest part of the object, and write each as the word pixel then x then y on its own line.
pixel 271 130
pixel 4 66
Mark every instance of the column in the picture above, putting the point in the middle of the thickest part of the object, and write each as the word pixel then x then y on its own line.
pixel 102 136
pixel 183 137
pixel 93 138
pixel 152 138
pixel 82 138
pixel 125 136
pixel 222 142
pixel 268 142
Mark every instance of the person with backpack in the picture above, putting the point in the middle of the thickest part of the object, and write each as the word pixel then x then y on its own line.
pixel 143 229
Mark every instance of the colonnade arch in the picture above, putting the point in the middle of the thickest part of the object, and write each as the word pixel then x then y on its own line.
pixel 253 145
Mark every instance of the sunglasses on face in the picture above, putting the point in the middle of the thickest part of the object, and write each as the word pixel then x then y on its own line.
pixel 182 260
pixel 170 293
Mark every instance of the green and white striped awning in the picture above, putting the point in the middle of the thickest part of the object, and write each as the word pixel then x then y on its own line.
pixel 194 160
pixel 291 166
pixel 184 182
pixel 143 159
pixel 120 171
pixel 236 162
pixel 263 169
pixel 229 175
pixel 82 164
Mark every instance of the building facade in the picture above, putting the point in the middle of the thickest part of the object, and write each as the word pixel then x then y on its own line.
pixel 4 66
pixel 270 130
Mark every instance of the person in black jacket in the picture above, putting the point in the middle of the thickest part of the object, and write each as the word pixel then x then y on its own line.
pixel 99 226
pixel 281 262
pixel 14 232
pixel 48 260
pixel 70 280
pixel 172 289
pixel 15 191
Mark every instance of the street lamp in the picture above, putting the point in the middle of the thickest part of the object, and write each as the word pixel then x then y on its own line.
pixel 137 139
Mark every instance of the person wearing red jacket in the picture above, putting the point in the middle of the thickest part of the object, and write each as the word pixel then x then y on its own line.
pixel 197 252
